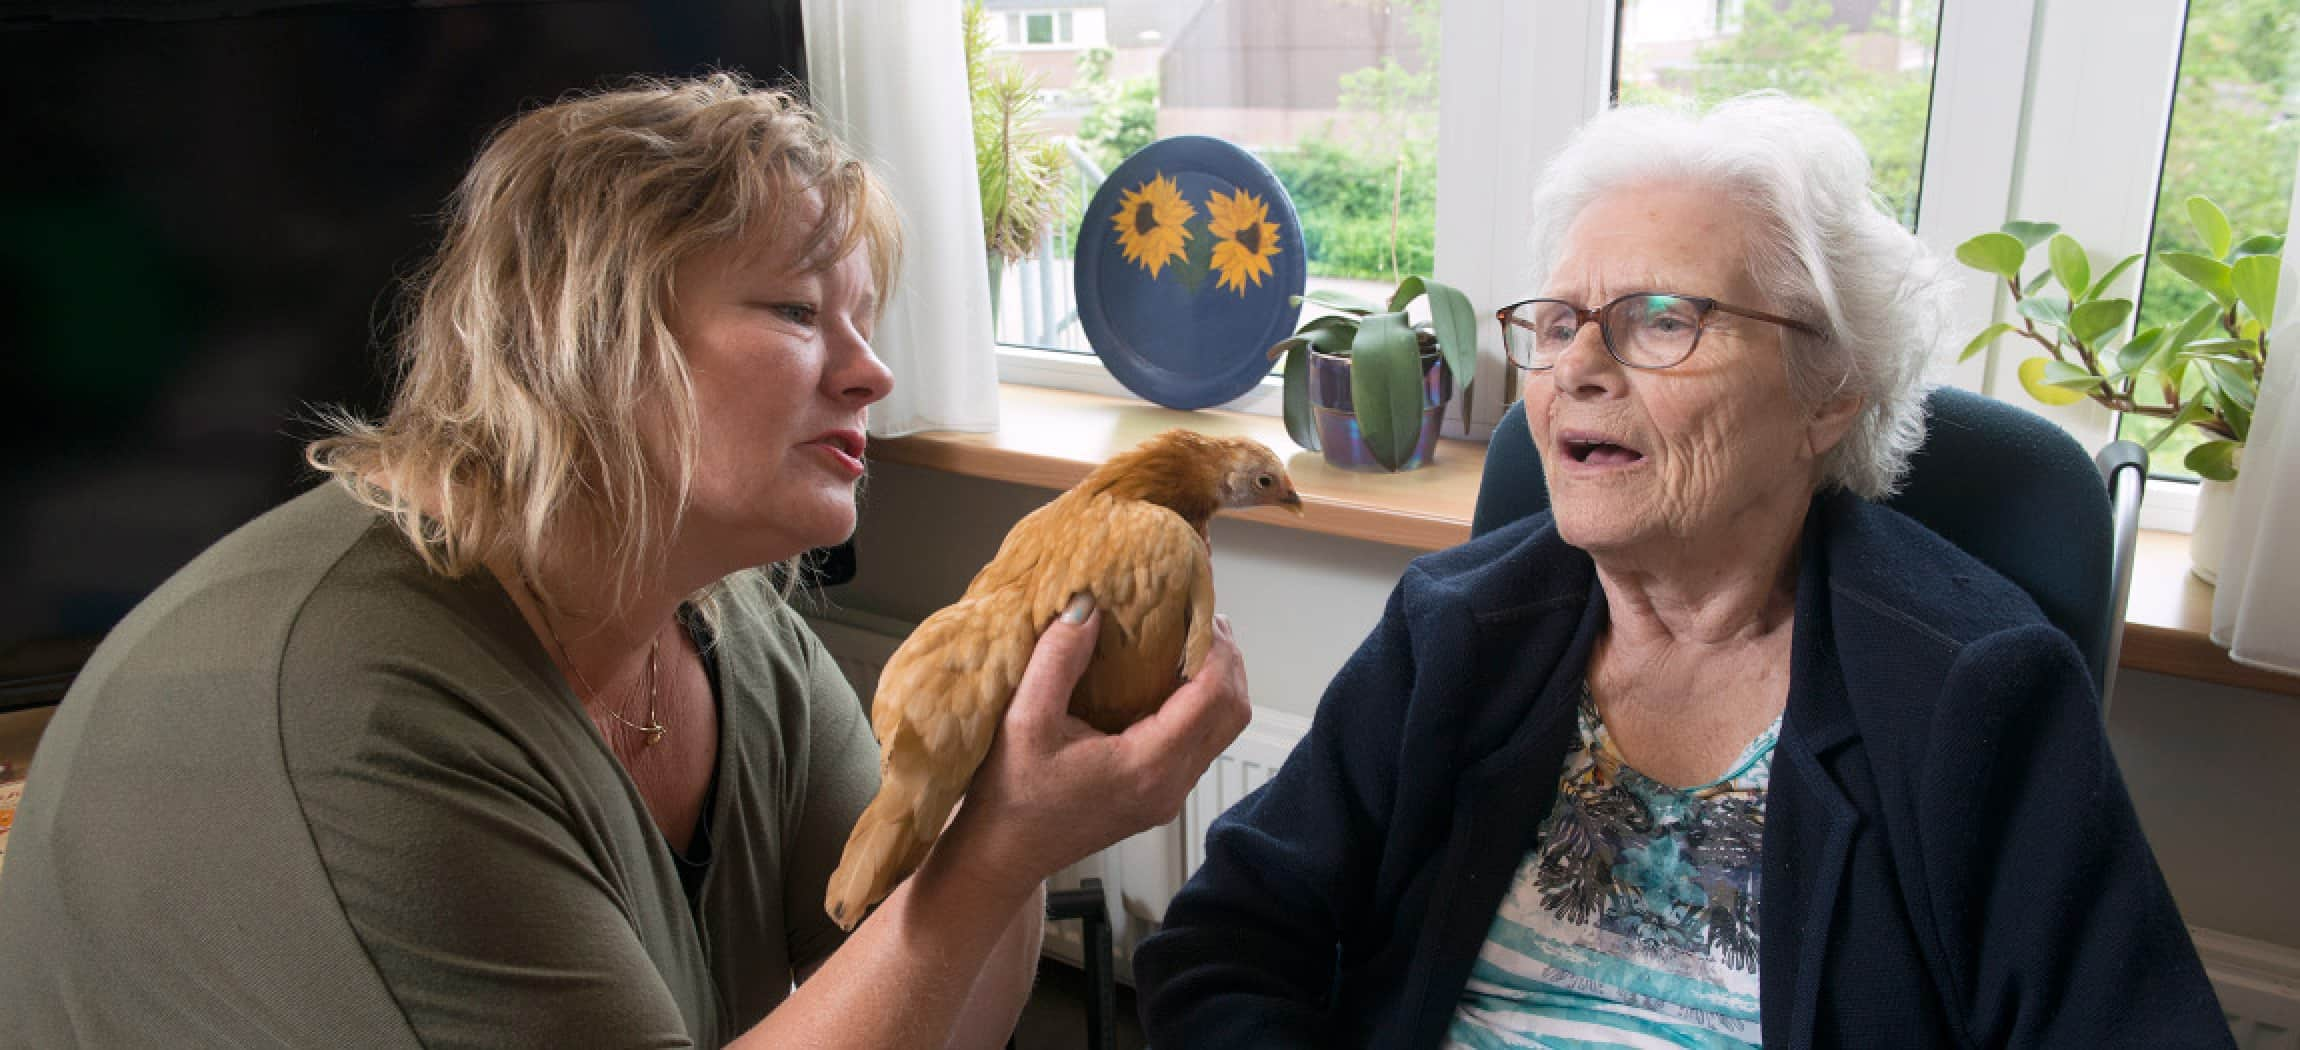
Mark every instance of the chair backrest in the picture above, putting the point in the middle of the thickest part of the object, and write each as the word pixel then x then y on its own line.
pixel 2000 482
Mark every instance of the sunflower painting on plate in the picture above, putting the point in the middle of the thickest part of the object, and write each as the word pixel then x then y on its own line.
pixel 1244 241
pixel 1187 266
pixel 1151 222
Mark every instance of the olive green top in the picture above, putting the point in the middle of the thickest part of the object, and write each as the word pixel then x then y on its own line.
pixel 311 794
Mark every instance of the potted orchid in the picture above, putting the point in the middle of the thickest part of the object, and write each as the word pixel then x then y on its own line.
pixel 1368 386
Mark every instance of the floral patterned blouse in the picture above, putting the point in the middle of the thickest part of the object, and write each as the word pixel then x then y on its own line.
pixel 1633 922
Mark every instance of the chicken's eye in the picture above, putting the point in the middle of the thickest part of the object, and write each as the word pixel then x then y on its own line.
pixel 1265 481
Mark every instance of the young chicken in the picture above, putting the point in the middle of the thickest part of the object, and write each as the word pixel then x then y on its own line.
pixel 1132 535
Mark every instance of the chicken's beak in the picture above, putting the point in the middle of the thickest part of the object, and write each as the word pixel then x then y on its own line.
pixel 1291 500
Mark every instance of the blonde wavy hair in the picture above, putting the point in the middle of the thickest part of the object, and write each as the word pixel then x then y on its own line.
pixel 536 355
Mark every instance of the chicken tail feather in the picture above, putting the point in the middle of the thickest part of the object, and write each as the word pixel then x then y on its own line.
pixel 890 841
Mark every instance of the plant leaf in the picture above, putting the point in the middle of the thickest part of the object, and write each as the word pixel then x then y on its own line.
pixel 1407 291
pixel 1301 420
pixel 2264 244
pixel 2070 265
pixel 2215 460
pixel 1997 253
pixel 1343 301
pixel 2192 412
pixel 2032 379
pixel 2044 311
pixel 2113 273
pixel 2211 225
pixel 2030 234
pixel 1980 342
pixel 1386 387
pixel 2233 382
pixel 2253 279
pixel 2197 324
pixel 2090 321
pixel 2132 355
pixel 2037 282
pixel 1454 321
pixel 2206 273
pixel 2062 374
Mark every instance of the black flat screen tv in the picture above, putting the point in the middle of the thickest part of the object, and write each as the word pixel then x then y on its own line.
pixel 205 211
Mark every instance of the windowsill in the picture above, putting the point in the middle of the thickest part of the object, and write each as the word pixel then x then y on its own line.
pixel 1052 438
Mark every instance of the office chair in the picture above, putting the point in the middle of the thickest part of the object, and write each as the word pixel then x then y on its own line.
pixel 2002 483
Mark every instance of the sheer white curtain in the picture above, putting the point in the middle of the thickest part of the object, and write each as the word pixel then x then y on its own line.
pixel 2256 611
pixel 891 79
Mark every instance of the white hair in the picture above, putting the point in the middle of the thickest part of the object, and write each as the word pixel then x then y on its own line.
pixel 1824 251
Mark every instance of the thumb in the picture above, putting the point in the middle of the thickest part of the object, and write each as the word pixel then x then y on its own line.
pixel 1056 663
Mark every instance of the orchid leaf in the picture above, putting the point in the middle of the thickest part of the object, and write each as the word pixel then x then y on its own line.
pixel 1301 420
pixel 1386 386
pixel 1343 301
pixel 1454 322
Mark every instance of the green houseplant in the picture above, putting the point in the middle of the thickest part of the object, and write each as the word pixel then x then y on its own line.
pixel 1018 169
pixel 2202 371
pixel 1399 374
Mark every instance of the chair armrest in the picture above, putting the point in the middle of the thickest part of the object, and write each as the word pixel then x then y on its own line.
pixel 2124 466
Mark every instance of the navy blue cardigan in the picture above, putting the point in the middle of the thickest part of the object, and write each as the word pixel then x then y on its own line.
pixel 1950 857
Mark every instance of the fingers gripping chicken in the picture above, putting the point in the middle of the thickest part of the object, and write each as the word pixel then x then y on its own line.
pixel 1133 536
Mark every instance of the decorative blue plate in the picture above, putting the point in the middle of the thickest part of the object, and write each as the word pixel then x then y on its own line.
pixel 1187 261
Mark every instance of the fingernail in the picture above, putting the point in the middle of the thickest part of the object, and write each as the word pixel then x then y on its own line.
pixel 1081 607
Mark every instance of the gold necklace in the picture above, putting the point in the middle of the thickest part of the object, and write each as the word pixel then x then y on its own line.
pixel 654 729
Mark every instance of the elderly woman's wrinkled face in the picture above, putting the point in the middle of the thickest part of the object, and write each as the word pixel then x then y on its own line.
pixel 783 373
pixel 1715 450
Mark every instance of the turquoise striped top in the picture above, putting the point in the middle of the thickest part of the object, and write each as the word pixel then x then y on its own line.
pixel 1633 922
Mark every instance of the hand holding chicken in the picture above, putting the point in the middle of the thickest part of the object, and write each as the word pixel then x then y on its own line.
pixel 1131 540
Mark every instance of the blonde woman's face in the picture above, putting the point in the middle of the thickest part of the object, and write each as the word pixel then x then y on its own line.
pixel 783 374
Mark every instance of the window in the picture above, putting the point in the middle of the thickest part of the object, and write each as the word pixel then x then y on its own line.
pixel 1870 64
pixel 1041 29
pixel 1338 97
pixel 2235 133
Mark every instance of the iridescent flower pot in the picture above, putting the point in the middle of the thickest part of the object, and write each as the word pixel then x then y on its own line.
pixel 1338 434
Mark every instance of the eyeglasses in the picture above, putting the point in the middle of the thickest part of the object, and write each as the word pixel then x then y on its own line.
pixel 1649 330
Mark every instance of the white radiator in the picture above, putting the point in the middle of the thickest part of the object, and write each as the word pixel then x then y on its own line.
pixel 2258 982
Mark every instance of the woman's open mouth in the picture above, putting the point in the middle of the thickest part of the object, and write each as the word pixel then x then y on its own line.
pixel 1597 450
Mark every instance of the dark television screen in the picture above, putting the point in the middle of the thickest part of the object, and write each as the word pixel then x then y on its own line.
pixel 204 213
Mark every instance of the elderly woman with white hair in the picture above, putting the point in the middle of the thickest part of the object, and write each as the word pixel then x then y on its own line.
pixel 1718 751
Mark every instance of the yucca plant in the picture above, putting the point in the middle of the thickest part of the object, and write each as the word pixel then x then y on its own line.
pixel 1018 170
pixel 2202 372
pixel 1385 349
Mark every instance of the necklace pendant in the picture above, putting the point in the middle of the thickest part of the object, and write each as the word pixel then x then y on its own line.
pixel 654 731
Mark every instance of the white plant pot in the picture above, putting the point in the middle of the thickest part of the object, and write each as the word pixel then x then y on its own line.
pixel 2208 541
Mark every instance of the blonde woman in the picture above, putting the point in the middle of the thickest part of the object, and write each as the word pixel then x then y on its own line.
pixel 502 739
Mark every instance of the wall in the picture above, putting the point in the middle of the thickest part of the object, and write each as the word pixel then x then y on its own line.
pixel 2210 767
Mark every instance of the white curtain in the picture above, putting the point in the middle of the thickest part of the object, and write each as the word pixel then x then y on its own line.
pixel 2256 611
pixel 890 78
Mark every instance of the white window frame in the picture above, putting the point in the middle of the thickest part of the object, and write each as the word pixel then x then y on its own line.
pixel 2014 83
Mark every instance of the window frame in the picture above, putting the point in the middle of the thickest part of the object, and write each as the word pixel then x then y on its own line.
pixel 2014 82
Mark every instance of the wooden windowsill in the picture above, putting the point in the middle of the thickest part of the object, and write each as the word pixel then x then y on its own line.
pixel 1052 438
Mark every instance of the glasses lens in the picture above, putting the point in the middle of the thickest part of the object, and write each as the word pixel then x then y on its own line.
pixel 1538 331
pixel 1653 331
